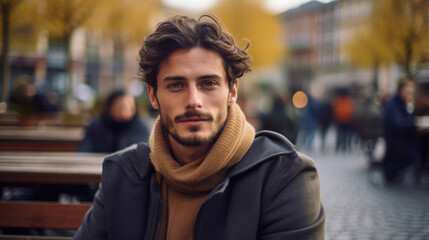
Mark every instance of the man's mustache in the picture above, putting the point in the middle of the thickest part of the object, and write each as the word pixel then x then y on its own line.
pixel 192 114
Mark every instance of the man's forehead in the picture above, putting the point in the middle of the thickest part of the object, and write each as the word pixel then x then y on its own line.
pixel 199 61
pixel 191 53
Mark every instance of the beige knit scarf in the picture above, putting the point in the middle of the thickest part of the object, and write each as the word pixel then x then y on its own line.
pixel 205 174
pixel 184 187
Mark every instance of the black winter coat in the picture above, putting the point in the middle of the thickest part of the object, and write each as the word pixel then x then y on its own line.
pixel 398 128
pixel 272 193
pixel 102 135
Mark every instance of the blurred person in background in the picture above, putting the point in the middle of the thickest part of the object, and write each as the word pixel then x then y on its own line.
pixel 399 131
pixel 21 96
pixel 279 120
pixel 27 100
pixel 47 102
pixel 119 126
pixel 309 122
pixel 422 113
pixel 367 122
pixel 342 109
pixel 325 120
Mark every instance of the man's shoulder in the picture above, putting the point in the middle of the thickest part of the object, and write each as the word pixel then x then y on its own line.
pixel 267 145
pixel 133 160
pixel 273 141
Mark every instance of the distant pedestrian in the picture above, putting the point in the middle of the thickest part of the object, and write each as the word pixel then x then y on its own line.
pixel 119 126
pixel 279 121
pixel 421 112
pixel 343 108
pixel 325 120
pixel 367 123
pixel 309 122
pixel 399 131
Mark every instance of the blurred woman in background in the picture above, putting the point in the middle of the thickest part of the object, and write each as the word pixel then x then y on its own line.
pixel 119 126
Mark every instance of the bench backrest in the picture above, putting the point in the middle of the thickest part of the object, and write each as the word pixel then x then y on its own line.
pixel 42 214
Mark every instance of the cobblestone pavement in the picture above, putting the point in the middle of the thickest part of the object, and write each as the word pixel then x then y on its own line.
pixel 360 206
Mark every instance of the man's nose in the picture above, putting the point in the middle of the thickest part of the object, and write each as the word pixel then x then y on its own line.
pixel 193 98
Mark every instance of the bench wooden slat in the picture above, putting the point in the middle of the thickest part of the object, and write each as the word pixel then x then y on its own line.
pixel 19 237
pixel 42 214
pixel 61 139
pixel 45 167
pixel 52 157
pixel 38 145
pixel 54 134
pixel 11 177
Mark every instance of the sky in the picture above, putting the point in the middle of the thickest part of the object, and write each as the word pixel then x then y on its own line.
pixel 274 6
pixel 278 6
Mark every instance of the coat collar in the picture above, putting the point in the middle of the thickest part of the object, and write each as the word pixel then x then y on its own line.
pixel 266 145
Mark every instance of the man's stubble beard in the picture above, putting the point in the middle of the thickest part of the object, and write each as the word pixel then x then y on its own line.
pixel 195 140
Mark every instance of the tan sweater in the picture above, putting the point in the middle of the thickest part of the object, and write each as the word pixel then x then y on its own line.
pixel 184 187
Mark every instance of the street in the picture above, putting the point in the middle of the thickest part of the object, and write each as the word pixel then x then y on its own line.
pixel 360 206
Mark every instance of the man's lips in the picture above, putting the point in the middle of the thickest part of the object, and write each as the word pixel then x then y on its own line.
pixel 193 119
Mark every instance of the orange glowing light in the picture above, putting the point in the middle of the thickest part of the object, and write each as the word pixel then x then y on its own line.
pixel 300 99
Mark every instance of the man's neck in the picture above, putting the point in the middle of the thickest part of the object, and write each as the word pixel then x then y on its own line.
pixel 187 154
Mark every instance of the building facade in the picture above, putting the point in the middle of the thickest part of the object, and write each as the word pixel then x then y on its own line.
pixel 316 34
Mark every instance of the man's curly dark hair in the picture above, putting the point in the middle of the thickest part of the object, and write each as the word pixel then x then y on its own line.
pixel 182 32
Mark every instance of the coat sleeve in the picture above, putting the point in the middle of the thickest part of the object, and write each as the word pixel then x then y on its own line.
pixel 94 224
pixel 292 206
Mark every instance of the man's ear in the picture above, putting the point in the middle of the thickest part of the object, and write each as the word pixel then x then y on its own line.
pixel 152 97
pixel 233 93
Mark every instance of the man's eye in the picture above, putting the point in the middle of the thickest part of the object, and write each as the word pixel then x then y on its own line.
pixel 209 83
pixel 174 85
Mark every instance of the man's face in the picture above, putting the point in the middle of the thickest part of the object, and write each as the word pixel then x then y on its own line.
pixel 192 96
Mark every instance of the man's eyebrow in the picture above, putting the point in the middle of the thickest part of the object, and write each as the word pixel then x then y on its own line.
pixel 182 78
pixel 210 76
pixel 173 78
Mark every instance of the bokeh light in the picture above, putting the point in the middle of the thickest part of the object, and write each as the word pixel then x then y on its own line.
pixel 300 99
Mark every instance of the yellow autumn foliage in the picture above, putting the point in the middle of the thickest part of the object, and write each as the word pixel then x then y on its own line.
pixel 248 19
pixel 62 17
pixel 24 27
pixel 398 33
pixel 127 19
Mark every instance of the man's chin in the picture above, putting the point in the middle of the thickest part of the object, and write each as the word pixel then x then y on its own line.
pixel 190 142
pixel 193 140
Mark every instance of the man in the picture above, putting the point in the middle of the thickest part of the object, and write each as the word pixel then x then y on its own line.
pixel 399 132
pixel 205 175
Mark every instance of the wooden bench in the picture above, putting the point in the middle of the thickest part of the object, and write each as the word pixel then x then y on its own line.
pixel 9 118
pixel 41 215
pixel 52 168
pixel 13 237
pixel 58 139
